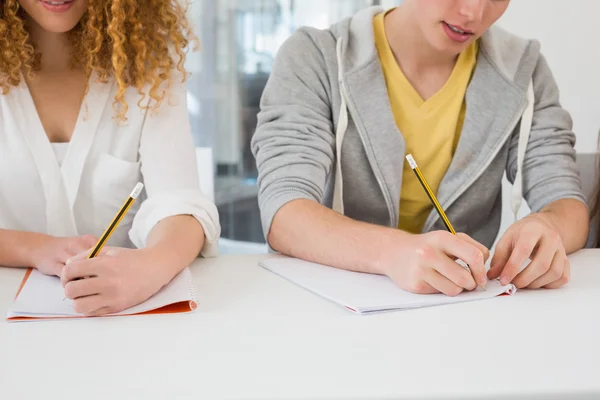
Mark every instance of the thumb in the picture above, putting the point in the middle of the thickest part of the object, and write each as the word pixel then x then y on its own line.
pixel 88 241
pixel 80 256
pixel 86 253
pixel 56 269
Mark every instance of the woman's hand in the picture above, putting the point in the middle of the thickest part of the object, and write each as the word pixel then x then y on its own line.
pixel 51 255
pixel 115 280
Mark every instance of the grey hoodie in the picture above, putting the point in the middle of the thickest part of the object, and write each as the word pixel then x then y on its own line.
pixel 322 77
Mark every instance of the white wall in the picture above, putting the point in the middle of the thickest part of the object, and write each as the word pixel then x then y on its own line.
pixel 568 32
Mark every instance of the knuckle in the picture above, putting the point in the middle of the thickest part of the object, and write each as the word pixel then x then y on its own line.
pixel 486 253
pixel 67 271
pixel 116 285
pixel 523 247
pixel 555 239
pixel 437 237
pixel 425 253
pixel 466 282
pixel 556 272
pixel 544 267
pixel 567 271
pixel 557 275
pixel 417 287
pixel 476 256
pixel 540 268
pixel 415 277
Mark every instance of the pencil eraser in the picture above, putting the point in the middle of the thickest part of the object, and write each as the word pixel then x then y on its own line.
pixel 137 190
pixel 411 161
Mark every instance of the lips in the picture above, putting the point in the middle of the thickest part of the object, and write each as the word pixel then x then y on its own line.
pixel 459 29
pixel 456 32
pixel 57 6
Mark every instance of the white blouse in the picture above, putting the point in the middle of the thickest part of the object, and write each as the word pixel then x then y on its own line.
pixel 81 193
pixel 60 149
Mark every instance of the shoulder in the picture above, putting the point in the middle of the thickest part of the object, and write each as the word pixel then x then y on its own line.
pixel 516 57
pixel 307 45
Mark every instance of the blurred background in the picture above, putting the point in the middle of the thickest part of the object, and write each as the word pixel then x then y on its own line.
pixel 239 41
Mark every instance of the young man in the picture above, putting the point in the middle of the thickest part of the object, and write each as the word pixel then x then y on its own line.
pixel 432 78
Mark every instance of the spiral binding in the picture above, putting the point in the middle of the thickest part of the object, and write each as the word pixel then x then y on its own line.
pixel 192 290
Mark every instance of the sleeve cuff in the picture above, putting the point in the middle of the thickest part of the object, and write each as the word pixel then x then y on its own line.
pixel 165 205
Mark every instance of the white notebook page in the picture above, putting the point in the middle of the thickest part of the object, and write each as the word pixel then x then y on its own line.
pixel 367 293
pixel 43 296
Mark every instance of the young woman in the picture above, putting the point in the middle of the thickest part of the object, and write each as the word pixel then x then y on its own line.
pixel 469 101
pixel 92 102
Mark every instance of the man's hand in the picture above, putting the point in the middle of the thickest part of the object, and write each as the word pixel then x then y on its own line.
pixel 536 238
pixel 427 264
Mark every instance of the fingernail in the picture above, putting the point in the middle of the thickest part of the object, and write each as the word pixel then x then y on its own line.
pixel 68 262
pixel 504 280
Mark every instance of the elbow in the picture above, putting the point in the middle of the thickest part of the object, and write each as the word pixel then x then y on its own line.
pixel 583 214
pixel 276 233
pixel 287 225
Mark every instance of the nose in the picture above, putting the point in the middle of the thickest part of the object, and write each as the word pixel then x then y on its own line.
pixel 472 10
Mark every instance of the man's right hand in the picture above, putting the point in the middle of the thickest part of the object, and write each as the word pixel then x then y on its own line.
pixel 426 263
pixel 51 255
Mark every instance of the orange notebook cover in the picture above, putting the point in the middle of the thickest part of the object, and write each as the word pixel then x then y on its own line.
pixel 41 297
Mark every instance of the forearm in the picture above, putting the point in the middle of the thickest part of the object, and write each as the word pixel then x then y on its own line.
pixel 173 244
pixel 570 218
pixel 307 230
pixel 17 248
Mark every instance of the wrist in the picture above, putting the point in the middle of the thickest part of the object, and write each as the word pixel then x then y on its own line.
pixel 30 249
pixel 163 265
pixel 548 219
pixel 385 250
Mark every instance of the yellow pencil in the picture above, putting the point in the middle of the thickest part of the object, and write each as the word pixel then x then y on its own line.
pixel 115 222
pixel 431 195
pixel 434 201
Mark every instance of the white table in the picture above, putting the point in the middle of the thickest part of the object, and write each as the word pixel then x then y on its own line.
pixel 257 336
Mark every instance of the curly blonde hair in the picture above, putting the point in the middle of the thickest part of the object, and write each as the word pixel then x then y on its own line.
pixel 139 44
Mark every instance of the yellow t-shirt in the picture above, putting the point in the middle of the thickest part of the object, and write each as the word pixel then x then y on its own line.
pixel 430 128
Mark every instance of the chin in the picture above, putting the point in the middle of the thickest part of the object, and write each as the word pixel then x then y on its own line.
pixel 56 27
pixel 449 47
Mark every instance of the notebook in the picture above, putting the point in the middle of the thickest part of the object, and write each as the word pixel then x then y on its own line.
pixel 366 293
pixel 41 297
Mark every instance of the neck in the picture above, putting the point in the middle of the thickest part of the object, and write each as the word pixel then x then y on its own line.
pixel 55 48
pixel 410 48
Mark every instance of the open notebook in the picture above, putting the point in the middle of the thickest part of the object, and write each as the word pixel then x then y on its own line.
pixel 366 293
pixel 42 297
